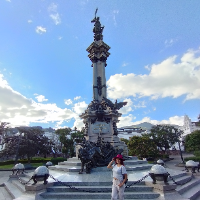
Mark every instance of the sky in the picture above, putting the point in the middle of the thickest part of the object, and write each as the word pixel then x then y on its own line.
pixel 46 75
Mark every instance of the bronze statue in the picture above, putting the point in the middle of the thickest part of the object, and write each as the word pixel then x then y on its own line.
pixel 98 29
pixel 96 154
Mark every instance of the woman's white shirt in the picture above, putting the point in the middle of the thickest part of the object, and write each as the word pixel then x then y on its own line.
pixel 118 172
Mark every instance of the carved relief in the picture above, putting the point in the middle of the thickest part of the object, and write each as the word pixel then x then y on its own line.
pixel 99 86
pixel 115 128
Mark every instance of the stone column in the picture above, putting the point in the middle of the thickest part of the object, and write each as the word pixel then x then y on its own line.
pixel 95 92
pixel 98 54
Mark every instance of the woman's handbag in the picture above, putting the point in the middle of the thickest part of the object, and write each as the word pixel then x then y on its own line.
pixel 124 177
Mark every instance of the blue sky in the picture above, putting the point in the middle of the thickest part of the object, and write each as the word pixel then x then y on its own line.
pixel 46 76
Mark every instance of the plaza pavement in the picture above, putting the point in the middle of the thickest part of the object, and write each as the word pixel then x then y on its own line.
pixel 171 165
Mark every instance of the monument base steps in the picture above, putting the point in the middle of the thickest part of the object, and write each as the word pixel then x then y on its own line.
pixel 74 165
pixel 145 190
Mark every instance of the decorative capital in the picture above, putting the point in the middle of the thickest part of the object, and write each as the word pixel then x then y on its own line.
pixel 98 51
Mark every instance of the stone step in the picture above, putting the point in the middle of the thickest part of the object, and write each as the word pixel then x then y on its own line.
pixel 4 195
pixel 18 185
pixel 12 190
pixel 198 198
pixel 135 162
pixel 76 158
pixel 175 176
pixel 180 180
pixel 135 167
pixel 109 183
pixel 70 163
pixel 65 168
pixel 186 187
pixel 96 188
pixel 103 195
pixel 68 168
pixel 78 162
pixel 193 193
pixel 93 199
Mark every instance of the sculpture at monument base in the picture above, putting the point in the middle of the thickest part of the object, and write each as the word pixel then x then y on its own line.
pixel 96 154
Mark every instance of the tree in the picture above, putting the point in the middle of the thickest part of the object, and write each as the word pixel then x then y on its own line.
pixel 142 146
pixel 77 136
pixel 198 123
pixel 3 130
pixel 28 143
pixel 165 136
pixel 68 139
pixel 192 141
pixel 124 140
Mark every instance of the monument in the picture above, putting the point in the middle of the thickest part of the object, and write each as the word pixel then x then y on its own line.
pixel 101 116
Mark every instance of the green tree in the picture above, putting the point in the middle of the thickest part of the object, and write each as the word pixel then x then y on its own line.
pixel 69 139
pixel 192 141
pixel 77 136
pixel 3 128
pixel 142 146
pixel 27 144
pixel 124 140
pixel 165 136
pixel 63 133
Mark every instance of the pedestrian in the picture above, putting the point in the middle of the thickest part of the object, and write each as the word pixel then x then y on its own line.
pixel 119 177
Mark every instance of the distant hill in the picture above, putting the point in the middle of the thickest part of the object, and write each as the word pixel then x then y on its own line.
pixel 148 126
pixel 144 125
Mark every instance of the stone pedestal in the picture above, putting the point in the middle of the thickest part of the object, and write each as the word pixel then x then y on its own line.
pixel 161 186
pixel 167 192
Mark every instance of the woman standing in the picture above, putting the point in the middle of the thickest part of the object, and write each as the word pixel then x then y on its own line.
pixel 118 181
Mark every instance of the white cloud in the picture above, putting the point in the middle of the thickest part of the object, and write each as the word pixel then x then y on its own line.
pixel 41 98
pixel 127 108
pixel 52 7
pixel 147 67
pixel 166 79
pixel 124 64
pixel 60 38
pixel 8 1
pixel 80 107
pixel 141 104
pixel 114 13
pixel 40 30
pixel 56 18
pixel 18 110
pixel 76 98
pixel 30 21
pixel 128 121
pixel 54 15
pixel 68 101
pixel 78 123
pixel 170 42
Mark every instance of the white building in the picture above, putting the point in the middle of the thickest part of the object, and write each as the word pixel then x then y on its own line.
pixel 189 126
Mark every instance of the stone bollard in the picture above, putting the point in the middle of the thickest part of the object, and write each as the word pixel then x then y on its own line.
pixel 158 173
pixel 49 164
pixel 190 164
pixel 160 162
pixel 41 174
pixel 18 169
